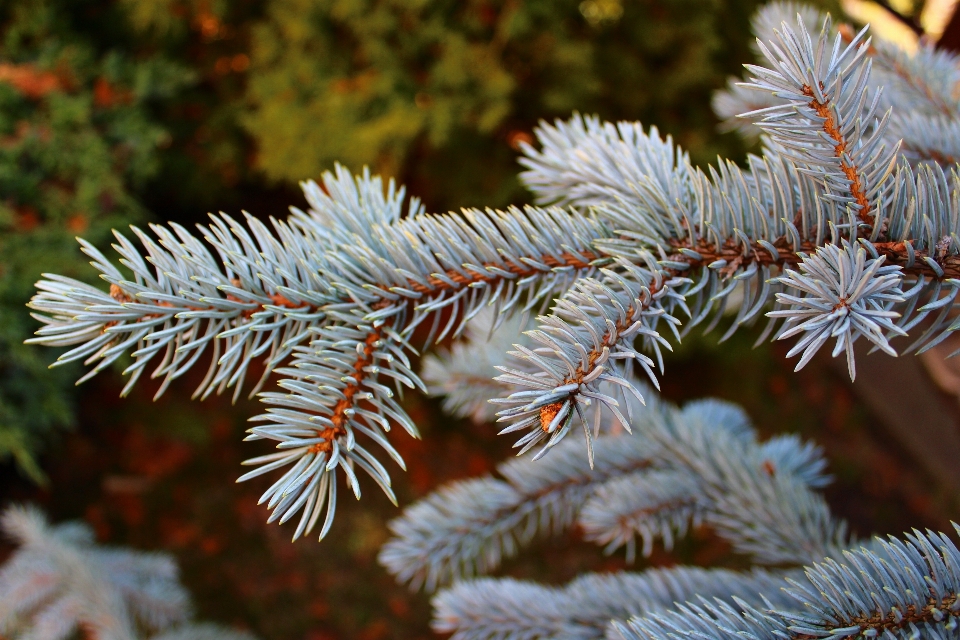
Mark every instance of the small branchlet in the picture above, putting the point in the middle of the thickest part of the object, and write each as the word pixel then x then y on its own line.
pixel 589 340
pixel 845 296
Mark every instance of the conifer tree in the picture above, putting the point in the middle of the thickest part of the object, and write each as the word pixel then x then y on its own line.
pixel 845 227
pixel 103 105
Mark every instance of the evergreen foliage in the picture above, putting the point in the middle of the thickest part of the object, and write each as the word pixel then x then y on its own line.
pixel 899 590
pixel 845 226
pixel 106 104
pixel 647 239
pixel 60 582
pixel 699 464
pixel 703 463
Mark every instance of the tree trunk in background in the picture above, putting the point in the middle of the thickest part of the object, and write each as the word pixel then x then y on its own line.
pixel 912 409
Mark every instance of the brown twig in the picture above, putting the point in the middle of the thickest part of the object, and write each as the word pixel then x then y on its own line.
pixel 851 171
pixel 550 411
pixel 339 417
pixel 881 621
pixel 731 251
pixel 896 253
pixel 436 285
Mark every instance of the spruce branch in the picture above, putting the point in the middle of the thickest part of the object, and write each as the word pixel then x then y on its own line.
pixel 761 508
pixel 317 419
pixel 756 495
pixel 592 327
pixel 896 588
pixel 655 505
pixel 585 162
pixel 181 302
pixel 485 609
pixel 825 124
pixel 260 304
pixel 58 582
pixel 919 86
pixel 331 298
pixel 469 527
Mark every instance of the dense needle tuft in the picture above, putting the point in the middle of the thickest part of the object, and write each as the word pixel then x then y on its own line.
pixel 845 296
